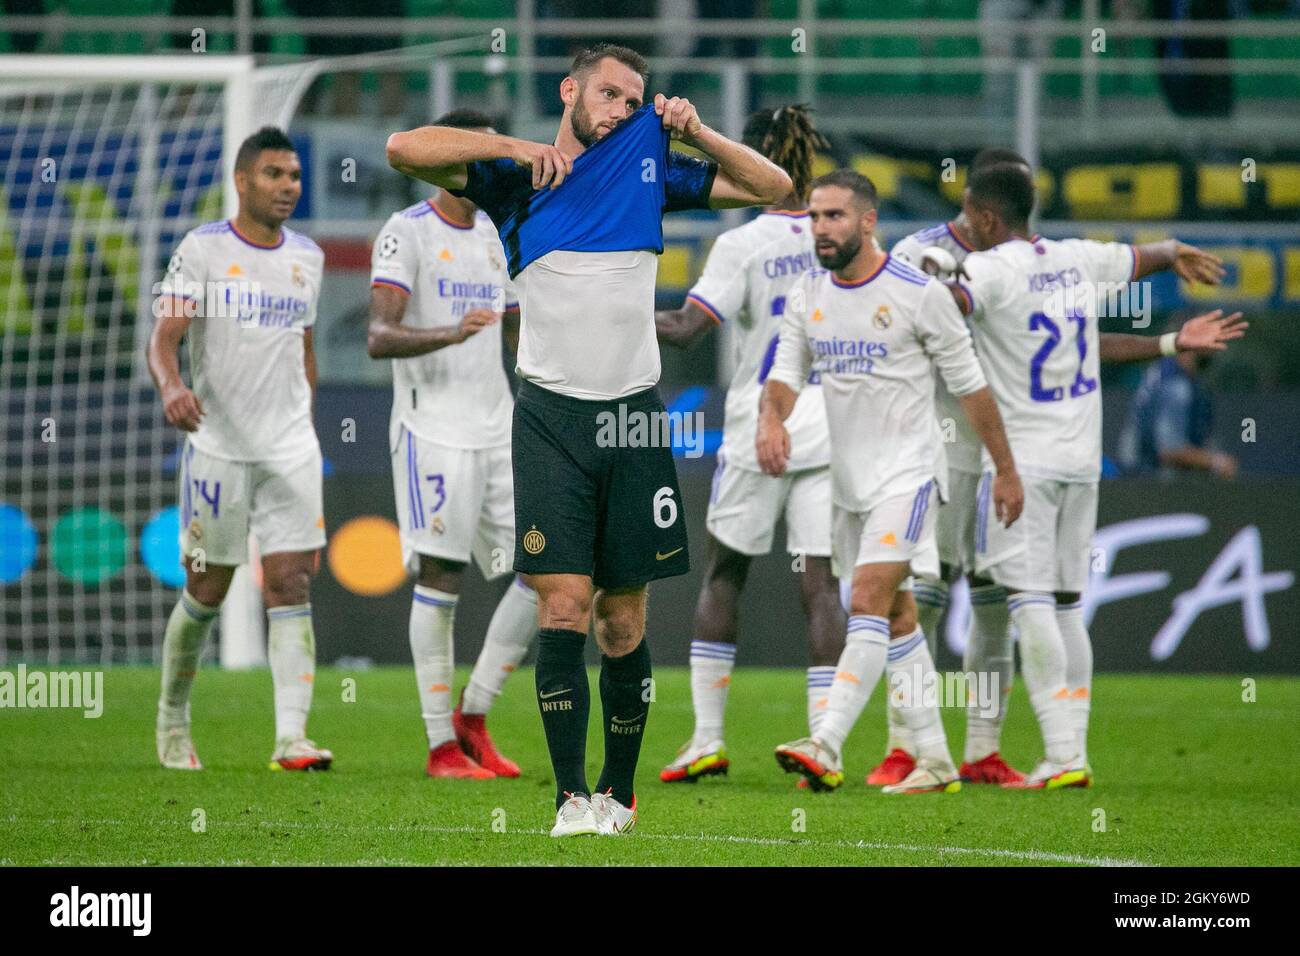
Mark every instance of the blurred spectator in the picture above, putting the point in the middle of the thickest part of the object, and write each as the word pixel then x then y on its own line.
pixel 24 42
pixel 346 87
pixel 547 83
pixel 1170 422
pixel 1191 93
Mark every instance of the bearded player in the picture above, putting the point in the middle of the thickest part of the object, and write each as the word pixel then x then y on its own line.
pixel 875 329
pixel 595 520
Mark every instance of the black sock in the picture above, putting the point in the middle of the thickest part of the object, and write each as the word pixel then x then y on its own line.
pixel 565 703
pixel 625 697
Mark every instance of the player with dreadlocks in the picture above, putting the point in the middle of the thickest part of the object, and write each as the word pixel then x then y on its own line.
pixel 745 281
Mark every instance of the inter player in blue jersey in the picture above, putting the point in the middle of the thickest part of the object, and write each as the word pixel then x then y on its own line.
pixel 598 514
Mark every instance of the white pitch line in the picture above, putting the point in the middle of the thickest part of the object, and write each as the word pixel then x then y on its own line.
pixel 1033 856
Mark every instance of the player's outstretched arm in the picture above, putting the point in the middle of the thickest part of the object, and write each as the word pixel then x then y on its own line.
pixel 683 327
pixel 438 154
pixel 1210 332
pixel 981 410
pixel 387 337
pixel 181 406
pixel 745 177
pixel 1188 262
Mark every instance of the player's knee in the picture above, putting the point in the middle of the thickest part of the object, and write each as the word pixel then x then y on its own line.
pixel 287 587
pixel 208 587
pixel 441 575
pixel 564 610
pixel 817 583
pixel 726 567
pixel 902 621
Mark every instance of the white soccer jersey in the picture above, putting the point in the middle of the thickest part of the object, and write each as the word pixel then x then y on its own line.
pixel 246 340
pixel 1034 320
pixel 458 395
pixel 749 271
pixel 875 343
pixel 964 449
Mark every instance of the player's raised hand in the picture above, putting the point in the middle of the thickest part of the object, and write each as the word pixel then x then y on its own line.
pixel 1210 332
pixel 548 164
pixel 476 320
pixel 679 116
pixel 1008 497
pixel 772 446
pixel 182 408
pixel 1197 265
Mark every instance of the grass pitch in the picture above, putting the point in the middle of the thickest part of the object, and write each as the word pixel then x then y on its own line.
pixel 1188 774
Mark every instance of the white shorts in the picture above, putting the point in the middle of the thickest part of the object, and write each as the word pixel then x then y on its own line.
pixel 898 529
pixel 454 503
pixel 955 528
pixel 221 501
pixel 745 505
pixel 1048 547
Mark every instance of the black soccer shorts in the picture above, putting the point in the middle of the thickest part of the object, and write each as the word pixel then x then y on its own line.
pixel 596 489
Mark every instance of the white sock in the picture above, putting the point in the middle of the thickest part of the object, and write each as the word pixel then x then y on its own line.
pixel 512 629
pixel 1078 669
pixel 291 646
pixel 1042 661
pixel 910 672
pixel 187 629
pixel 988 652
pixel 711 664
pixel 861 663
pixel 433 618
pixel 819 690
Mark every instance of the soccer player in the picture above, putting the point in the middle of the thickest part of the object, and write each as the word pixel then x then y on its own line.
pixel 438 285
pixel 875 329
pixel 1033 305
pixel 596 504
pixel 244 291
pixel 938 251
pixel 748 274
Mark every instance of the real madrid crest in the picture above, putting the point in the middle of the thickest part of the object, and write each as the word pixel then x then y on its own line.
pixel 882 319
pixel 196 530
pixel 296 275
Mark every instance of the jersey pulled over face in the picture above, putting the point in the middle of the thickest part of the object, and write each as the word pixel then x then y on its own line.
pixel 583 256
pixel 458 395
pixel 874 342
pixel 746 281
pixel 964 448
pixel 1034 306
pixel 253 305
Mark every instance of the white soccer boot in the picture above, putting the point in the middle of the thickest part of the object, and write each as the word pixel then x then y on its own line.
pixel 930 776
pixel 613 818
pixel 576 817
pixel 300 754
pixel 176 749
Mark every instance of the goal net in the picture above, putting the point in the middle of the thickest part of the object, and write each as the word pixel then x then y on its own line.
pixel 107 162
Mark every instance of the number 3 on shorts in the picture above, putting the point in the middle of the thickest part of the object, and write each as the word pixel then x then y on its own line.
pixel 665 507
